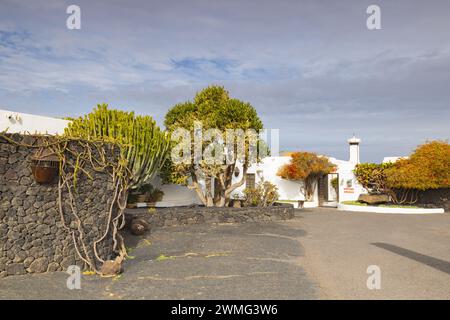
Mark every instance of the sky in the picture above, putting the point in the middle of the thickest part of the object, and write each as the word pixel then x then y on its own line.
pixel 312 69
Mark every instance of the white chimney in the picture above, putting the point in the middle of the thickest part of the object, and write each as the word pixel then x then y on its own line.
pixel 354 149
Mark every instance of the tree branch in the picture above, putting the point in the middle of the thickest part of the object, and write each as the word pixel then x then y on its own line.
pixel 237 184
pixel 196 186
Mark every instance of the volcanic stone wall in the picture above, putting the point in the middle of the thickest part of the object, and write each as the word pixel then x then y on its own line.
pixel 175 216
pixel 435 198
pixel 33 237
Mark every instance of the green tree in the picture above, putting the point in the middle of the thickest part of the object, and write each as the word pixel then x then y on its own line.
pixel 142 142
pixel 216 112
pixel 306 167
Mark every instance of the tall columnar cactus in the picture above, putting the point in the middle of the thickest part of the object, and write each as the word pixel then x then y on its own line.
pixel 143 143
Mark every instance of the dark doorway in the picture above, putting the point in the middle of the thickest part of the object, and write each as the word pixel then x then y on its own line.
pixel 326 191
pixel 323 189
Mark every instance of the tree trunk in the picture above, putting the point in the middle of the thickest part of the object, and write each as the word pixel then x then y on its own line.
pixel 222 185
pixel 236 185
pixel 220 194
pixel 197 187
pixel 217 191
pixel 209 197
pixel 308 187
pixel 199 191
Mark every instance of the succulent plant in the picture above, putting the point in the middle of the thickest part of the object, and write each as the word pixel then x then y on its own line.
pixel 143 143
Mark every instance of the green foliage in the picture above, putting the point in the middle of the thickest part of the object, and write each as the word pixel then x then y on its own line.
pixel 398 206
pixel 143 144
pixel 214 109
pixel 335 184
pixel 428 167
pixel 372 176
pixel 170 174
pixel 151 193
pixel 355 203
pixel 263 195
pixel 306 166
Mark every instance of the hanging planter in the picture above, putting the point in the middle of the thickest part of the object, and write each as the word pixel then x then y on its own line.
pixel 44 165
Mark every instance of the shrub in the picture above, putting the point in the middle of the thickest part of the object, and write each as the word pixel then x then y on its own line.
pixel 263 195
pixel 151 194
pixel 335 184
pixel 372 176
pixel 428 167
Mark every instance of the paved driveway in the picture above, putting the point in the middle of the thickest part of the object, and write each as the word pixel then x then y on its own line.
pixel 322 253
pixel 412 252
pixel 229 261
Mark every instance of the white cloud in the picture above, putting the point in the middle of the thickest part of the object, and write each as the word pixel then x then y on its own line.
pixel 307 67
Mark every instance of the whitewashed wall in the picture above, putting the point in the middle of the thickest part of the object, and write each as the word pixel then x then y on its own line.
pixel 18 122
pixel 267 170
pixel 175 195
pixel 349 188
pixel 290 190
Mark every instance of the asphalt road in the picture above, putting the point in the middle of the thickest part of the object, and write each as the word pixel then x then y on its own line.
pixel 411 251
pixel 322 253
pixel 227 261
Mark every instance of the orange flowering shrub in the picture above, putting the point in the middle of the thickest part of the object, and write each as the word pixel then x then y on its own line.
pixel 428 167
pixel 306 166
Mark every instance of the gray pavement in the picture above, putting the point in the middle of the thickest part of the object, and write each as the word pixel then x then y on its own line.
pixel 228 261
pixel 412 252
pixel 322 253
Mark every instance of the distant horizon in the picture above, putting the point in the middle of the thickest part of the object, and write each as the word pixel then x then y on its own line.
pixel 312 70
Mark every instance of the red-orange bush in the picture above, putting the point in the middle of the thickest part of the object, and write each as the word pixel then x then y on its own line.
pixel 428 167
pixel 306 166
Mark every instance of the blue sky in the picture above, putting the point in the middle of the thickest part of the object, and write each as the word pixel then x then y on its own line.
pixel 310 68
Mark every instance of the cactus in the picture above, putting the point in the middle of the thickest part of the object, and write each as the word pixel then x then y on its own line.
pixel 142 142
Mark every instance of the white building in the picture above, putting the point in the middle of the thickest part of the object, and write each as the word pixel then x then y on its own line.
pixel 290 191
pixel 175 195
pixel 324 193
pixel 393 159
pixel 18 122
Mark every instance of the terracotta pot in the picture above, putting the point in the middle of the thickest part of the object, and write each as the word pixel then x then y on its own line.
pixel 44 174
pixel 44 165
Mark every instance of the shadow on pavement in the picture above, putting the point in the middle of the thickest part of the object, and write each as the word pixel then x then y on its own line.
pixel 435 263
